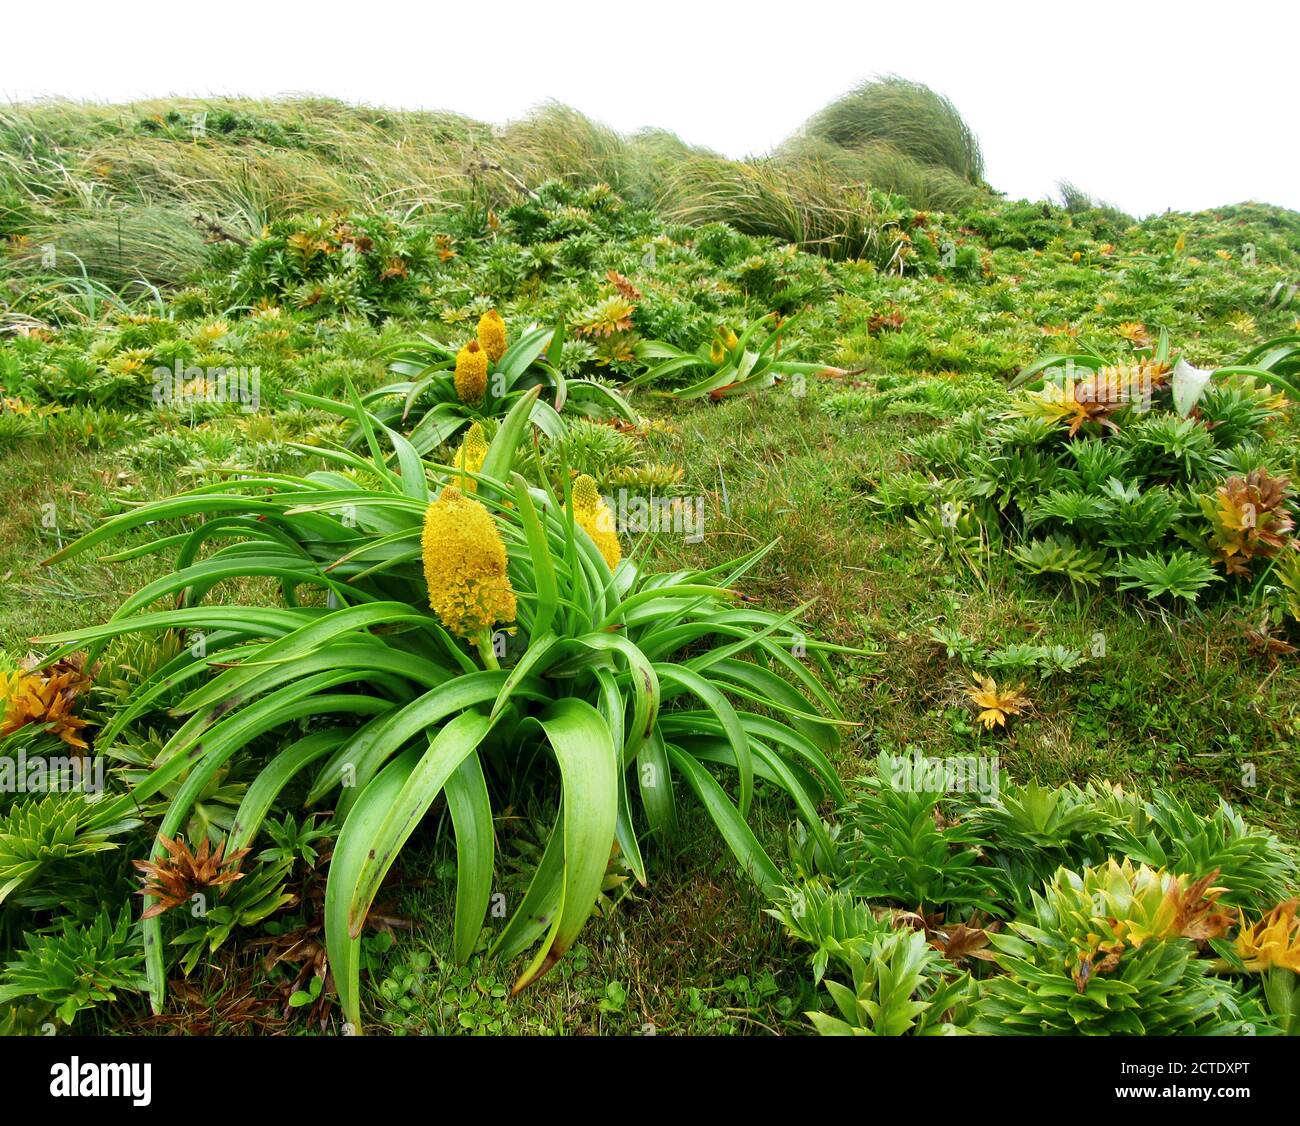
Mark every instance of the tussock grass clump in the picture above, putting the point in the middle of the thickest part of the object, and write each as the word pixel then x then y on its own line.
pixel 150 169
pixel 918 122
pixel 556 142
pixel 886 167
pixel 120 246
pixel 821 189
pixel 652 155
pixel 803 202
pixel 1078 202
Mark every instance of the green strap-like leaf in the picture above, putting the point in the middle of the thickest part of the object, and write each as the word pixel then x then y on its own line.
pixel 447 749
pixel 548 590
pixel 471 817
pixel 754 862
pixel 541 902
pixel 501 450
pixel 403 723
pixel 584 749
pixel 538 648
pixel 612 708
pixel 350 853
pixel 277 774
pixel 709 695
pixel 645 687
pixel 295 702
pixel 314 635
pixel 371 839
pixel 655 783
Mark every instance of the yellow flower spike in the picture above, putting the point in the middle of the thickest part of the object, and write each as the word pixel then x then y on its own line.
pixel 1272 942
pixel 492 335
pixel 732 339
pixel 471 373
pixel 717 353
pixel 592 514
pixel 465 565
pixel 470 457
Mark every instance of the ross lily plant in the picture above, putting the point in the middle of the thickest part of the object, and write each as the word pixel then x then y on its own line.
pixel 733 365
pixel 447 389
pixel 432 640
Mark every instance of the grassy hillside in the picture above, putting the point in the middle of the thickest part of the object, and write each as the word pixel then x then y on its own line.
pixel 1117 585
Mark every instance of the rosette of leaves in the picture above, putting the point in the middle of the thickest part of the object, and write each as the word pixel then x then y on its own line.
pixel 833 922
pixel 76 967
pixel 57 828
pixel 1163 447
pixel 1237 410
pixel 633 687
pixel 425 406
pixel 557 210
pixel 1175 574
pixel 1275 362
pixel 1033 830
pixel 899 849
pixel 901 986
pixel 607 325
pixel 242 904
pixel 1096 398
pixel 1249 519
pixel 1111 950
pixel 338 264
pixel 1080 367
pixel 734 364
pixel 609 455
pixel 1059 555
pixel 1164 831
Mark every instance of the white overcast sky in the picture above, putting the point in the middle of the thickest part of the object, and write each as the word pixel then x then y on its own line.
pixel 1147 105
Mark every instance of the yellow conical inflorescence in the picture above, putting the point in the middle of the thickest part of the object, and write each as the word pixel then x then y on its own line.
pixel 465 565
pixel 592 514
pixel 492 335
pixel 471 455
pixel 471 373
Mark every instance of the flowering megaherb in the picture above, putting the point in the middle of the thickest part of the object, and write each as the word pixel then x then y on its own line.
pixel 471 373
pixel 492 335
pixel 470 457
pixel 592 514
pixel 465 566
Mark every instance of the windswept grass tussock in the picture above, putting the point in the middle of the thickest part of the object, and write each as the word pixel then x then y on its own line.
pixel 126 190
pixel 911 117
